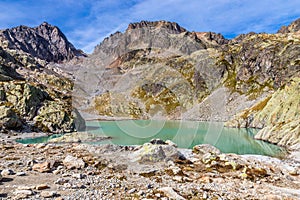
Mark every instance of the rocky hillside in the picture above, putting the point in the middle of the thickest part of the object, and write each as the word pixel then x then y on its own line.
pixel 278 115
pixel 35 96
pixel 159 69
pixel 292 28
pixel 151 64
pixel 46 42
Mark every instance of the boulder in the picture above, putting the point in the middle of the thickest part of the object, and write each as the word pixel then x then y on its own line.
pixel 42 167
pixel 170 193
pixel 7 172
pixel 71 162
pixel 8 118
pixel 156 153
pixel 53 117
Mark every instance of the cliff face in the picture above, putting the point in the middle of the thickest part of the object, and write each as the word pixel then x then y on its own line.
pixel 270 65
pixel 35 96
pixel 46 42
pixel 159 69
pixel 277 115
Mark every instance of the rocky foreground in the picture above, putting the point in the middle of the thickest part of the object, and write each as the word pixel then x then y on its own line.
pixel 156 170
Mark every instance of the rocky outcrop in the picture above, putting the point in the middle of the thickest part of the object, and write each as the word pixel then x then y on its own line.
pixel 33 97
pixel 7 73
pixel 211 39
pixel 265 63
pixel 277 115
pixel 261 62
pixel 292 28
pixel 46 42
pixel 8 118
pixel 173 27
pixel 34 106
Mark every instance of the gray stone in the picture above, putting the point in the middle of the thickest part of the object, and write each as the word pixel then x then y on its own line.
pixel 8 118
pixel 48 194
pixel 23 192
pixel 170 193
pixel 20 174
pixel 156 153
pixel 133 190
pixel 78 176
pixel 7 172
pixel 71 162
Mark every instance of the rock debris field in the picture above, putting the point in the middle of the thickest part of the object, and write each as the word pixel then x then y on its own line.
pixel 155 170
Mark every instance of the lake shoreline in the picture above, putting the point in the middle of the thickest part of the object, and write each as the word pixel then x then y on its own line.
pixel 184 133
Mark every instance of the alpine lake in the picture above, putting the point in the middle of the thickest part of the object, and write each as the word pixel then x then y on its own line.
pixel 185 134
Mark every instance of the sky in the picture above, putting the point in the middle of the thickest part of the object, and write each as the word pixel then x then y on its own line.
pixel 86 22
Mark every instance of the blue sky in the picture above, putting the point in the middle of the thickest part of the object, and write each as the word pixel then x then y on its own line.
pixel 87 22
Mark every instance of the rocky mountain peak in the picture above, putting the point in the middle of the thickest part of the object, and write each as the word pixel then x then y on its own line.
pixel 45 41
pixel 46 24
pixel 211 39
pixel 149 35
pixel 292 28
pixel 173 26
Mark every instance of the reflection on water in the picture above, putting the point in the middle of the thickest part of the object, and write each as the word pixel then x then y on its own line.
pixel 185 134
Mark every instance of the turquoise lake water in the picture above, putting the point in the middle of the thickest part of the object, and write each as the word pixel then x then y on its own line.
pixel 185 134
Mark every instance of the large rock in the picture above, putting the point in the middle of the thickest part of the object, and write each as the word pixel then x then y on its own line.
pixel 42 167
pixel 170 193
pixel 37 108
pixel 7 73
pixel 71 162
pixel 25 98
pixel 9 119
pixel 157 153
pixel 54 117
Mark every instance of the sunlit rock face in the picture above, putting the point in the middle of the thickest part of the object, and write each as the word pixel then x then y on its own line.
pixel 291 28
pixel 34 94
pixel 45 41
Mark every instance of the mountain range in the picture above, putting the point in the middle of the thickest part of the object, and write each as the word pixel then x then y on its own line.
pixel 153 70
